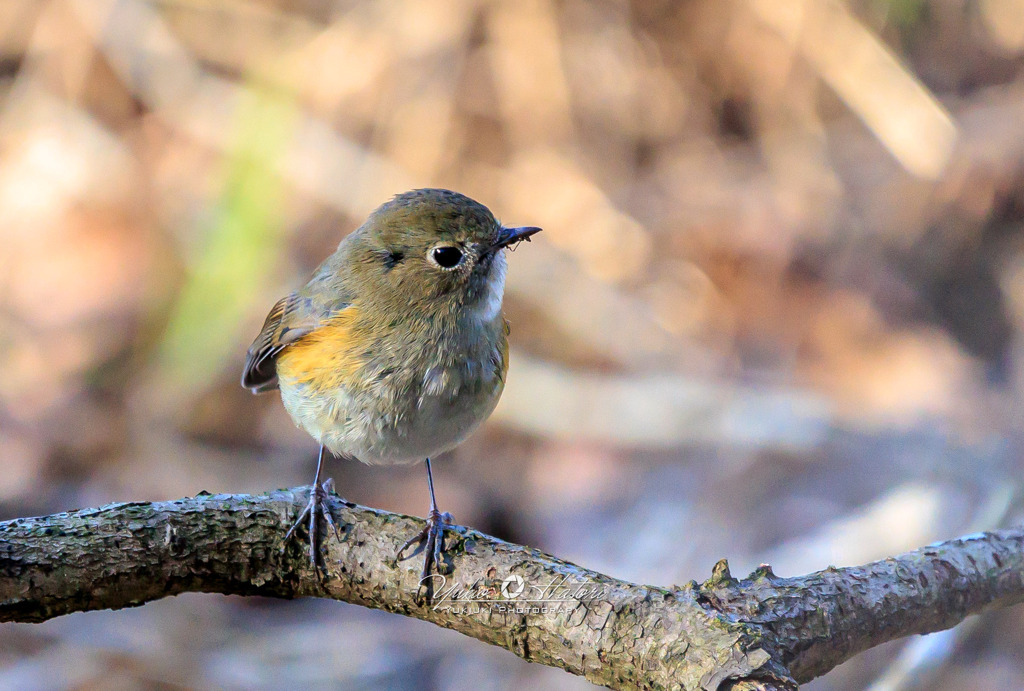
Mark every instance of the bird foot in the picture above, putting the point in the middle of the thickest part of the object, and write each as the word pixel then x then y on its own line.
pixel 433 535
pixel 315 509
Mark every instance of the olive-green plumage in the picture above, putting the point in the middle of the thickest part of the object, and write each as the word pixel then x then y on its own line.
pixel 396 348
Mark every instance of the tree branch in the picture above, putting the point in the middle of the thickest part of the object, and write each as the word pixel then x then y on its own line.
pixel 749 634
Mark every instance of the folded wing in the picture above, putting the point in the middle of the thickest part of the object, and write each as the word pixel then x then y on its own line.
pixel 289 320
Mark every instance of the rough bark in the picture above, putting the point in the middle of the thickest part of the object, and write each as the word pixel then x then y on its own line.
pixel 762 632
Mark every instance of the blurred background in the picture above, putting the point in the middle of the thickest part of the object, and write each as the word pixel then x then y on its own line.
pixel 776 314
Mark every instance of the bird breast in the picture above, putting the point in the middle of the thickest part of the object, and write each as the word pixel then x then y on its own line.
pixel 391 398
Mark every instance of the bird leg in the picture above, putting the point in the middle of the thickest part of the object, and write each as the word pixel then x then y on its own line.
pixel 432 534
pixel 315 509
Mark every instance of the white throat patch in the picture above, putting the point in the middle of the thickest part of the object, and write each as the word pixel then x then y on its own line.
pixel 490 303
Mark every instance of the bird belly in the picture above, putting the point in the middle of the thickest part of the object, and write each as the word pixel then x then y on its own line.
pixel 395 419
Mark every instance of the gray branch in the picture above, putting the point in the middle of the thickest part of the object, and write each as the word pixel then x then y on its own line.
pixel 761 632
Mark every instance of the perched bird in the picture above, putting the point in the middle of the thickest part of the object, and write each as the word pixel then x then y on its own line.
pixel 396 349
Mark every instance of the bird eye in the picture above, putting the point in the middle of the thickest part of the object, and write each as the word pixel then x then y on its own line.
pixel 446 257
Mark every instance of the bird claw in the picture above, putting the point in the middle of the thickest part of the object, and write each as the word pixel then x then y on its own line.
pixel 315 509
pixel 433 535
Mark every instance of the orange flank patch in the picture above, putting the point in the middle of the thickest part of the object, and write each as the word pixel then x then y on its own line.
pixel 327 357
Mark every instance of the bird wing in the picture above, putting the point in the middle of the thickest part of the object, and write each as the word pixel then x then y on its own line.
pixel 290 319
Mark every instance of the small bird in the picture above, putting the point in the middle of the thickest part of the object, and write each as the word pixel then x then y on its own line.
pixel 396 349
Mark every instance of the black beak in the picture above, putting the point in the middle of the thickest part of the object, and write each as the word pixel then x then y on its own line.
pixel 510 236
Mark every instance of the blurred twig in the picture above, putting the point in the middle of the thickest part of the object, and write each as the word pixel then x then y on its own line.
pixel 657 410
pixel 891 101
pixel 610 631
